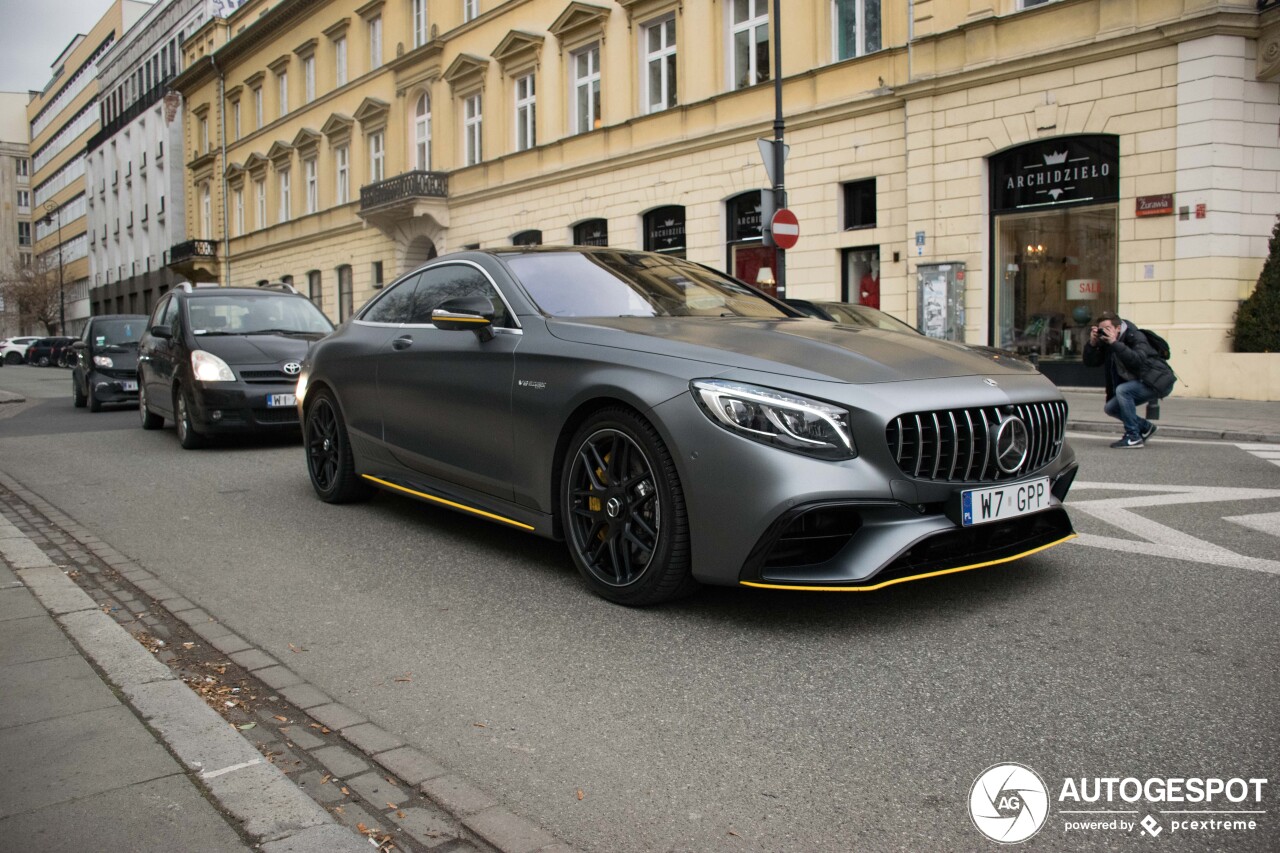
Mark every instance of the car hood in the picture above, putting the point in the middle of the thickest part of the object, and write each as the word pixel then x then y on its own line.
pixel 255 349
pixel 810 349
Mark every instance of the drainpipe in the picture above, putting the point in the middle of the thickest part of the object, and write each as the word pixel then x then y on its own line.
pixel 222 134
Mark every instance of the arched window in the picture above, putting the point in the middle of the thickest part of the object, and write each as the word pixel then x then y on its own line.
pixel 422 133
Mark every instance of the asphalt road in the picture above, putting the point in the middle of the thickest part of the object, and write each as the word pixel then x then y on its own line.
pixel 737 720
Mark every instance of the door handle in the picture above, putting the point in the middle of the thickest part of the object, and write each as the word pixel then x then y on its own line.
pixel 403 342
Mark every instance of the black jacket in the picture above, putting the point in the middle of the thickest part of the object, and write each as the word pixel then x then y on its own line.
pixel 1134 351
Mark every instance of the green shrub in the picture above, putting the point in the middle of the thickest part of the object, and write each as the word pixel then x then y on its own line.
pixel 1258 320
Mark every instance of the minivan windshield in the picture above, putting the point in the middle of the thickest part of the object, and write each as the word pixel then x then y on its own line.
pixel 638 284
pixel 256 314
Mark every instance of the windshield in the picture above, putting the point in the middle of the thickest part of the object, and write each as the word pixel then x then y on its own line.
pixel 572 284
pixel 117 333
pixel 860 315
pixel 254 314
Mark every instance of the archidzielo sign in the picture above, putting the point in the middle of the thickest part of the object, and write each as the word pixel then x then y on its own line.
pixel 1063 170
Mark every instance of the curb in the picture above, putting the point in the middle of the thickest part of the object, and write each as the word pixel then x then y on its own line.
pixel 10 397
pixel 269 804
pixel 1113 427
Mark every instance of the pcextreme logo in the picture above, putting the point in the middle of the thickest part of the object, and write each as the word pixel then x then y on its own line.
pixel 1009 803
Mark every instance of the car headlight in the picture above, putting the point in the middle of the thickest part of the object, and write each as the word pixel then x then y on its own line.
pixel 102 360
pixel 207 367
pixel 777 418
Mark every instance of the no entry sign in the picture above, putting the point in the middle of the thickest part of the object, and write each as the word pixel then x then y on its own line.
pixel 785 228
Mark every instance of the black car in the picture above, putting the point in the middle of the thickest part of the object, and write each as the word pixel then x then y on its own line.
pixel 220 360
pixel 49 351
pixel 104 363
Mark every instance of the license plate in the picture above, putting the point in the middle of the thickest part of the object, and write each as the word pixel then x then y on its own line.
pixel 128 385
pixel 978 506
pixel 275 400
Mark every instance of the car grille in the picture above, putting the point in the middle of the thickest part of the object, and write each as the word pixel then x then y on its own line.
pixel 283 415
pixel 271 377
pixel 956 444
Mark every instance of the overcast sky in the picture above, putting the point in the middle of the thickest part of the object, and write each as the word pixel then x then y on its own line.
pixel 34 32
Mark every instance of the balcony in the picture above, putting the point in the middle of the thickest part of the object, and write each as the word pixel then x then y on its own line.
pixel 197 260
pixel 404 197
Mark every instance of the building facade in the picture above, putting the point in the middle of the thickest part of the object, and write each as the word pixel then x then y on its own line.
pixel 135 161
pixel 15 203
pixel 61 119
pixel 992 171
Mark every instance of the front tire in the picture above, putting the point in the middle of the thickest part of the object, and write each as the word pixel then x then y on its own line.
pixel 330 461
pixel 187 435
pixel 77 397
pixel 150 420
pixel 623 511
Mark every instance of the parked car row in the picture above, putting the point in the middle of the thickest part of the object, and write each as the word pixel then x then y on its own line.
pixel 44 352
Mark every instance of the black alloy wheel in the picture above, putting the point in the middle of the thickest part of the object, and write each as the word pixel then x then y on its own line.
pixel 12 358
pixel 187 435
pixel 330 462
pixel 77 396
pixel 150 420
pixel 43 361
pixel 623 511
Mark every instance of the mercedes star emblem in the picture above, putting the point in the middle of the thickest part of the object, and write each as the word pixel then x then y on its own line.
pixel 1012 443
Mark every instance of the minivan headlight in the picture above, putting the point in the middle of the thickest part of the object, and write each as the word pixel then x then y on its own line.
pixel 102 360
pixel 207 367
pixel 776 418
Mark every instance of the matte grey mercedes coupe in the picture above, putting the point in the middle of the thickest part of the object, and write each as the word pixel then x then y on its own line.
pixel 675 426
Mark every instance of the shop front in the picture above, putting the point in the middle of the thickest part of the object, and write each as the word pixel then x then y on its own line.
pixel 1055 239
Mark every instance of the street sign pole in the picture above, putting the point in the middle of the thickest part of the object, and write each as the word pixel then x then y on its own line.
pixel 779 153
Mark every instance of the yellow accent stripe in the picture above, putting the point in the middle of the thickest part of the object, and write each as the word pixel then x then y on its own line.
pixel 454 319
pixel 910 578
pixel 462 507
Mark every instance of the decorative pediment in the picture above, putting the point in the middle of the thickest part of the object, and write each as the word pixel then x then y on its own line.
pixel 306 142
pixel 234 173
pixel 644 10
pixel 255 163
pixel 280 64
pixel 337 127
pixel 279 152
pixel 518 51
pixel 339 29
pixel 368 10
pixel 467 68
pixel 372 111
pixel 307 48
pixel 253 81
pixel 580 23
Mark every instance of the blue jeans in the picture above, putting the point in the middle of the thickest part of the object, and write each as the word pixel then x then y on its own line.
pixel 1124 405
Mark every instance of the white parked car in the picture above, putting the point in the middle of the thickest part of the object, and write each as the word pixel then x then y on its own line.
pixel 14 350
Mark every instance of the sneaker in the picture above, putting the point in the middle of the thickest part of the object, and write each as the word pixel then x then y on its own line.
pixel 1128 441
pixel 1148 431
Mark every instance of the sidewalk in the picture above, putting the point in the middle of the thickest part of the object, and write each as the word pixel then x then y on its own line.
pixel 82 771
pixel 1182 417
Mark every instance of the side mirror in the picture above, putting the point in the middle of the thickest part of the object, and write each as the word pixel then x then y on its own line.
pixel 79 346
pixel 470 313
pixel 161 332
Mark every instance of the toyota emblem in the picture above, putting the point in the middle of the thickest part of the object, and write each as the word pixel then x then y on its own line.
pixel 1012 442
pixel 293 368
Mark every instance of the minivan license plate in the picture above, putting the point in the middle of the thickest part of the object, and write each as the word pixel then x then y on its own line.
pixel 978 506
pixel 275 400
pixel 128 385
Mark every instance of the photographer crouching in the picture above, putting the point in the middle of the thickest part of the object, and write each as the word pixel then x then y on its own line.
pixel 1135 374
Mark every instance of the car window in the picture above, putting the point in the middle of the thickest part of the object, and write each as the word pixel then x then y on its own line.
pixel 395 305
pixel 572 284
pixel 450 281
pixel 107 333
pixel 255 313
pixel 162 315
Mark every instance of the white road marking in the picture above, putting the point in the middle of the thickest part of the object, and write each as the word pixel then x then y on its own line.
pixel 214 774
pixel 1160 540
pixel 1267 522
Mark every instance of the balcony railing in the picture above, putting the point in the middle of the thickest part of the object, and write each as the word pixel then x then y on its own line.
pixel 193 249
pixel 404 187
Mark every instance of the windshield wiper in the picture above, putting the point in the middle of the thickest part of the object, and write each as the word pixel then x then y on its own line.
pixel 282 332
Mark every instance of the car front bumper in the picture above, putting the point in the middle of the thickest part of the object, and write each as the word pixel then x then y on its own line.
pixel 761 516
pixel 113 388
pixel 241 408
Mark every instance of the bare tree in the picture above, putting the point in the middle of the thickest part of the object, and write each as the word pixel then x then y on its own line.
pixel 30 293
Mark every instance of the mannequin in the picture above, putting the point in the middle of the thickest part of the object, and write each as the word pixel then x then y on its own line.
pixel 869 287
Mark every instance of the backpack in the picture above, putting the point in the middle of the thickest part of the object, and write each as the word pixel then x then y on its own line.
pixel 1159 344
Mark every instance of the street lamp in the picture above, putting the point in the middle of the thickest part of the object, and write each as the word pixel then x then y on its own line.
pixel 52 209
